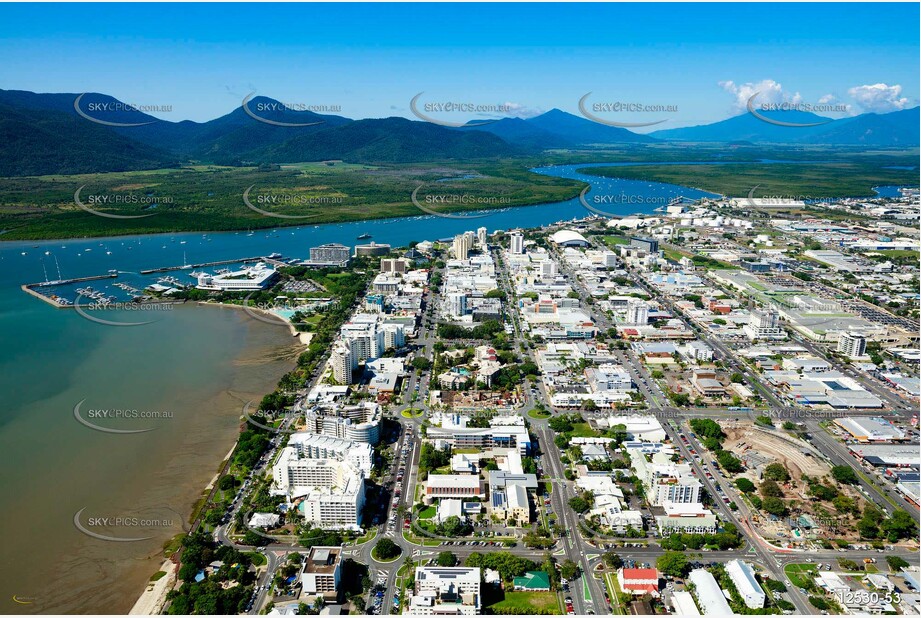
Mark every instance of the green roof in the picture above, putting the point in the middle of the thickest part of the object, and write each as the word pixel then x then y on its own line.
pixel 533 580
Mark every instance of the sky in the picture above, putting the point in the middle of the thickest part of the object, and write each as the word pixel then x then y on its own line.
pixel 694 63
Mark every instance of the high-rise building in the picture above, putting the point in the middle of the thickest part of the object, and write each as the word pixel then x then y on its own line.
pixel 457 304
pixel 852 345
pixel 331 253
pixel 764 324
pixel 481 236
pixel 341 360
pixel 462 245
pixel 446 591
pixel 516 242
pixel 393 336
pixel 637 313
pixel 394 265
pixel 548 269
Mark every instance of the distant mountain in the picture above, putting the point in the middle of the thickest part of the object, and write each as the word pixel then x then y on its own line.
pixel 44 141
pixel 558 129
pixel 388 140
pixel 226 139
pixel 899 128
pixel 894 129
pixel 238 136
pixel 583 131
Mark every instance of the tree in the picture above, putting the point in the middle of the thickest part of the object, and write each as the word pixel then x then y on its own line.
pixel 736 378
pixel 774 506
pixel 844 474
pixel 897 563
pixel 673 563
pixel 613 560
pixel 776 472
pixel 729 462
pixel 386 549
pixel 579 504
pixel 446 559
pixel 254 539
pixel 227 482
pixel 770 489
pixel 422 363
pixel 900 525
pixel 569 569
pixel 745 485
pixel 454 526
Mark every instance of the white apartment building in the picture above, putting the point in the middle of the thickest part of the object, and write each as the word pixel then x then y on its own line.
pixel 326 492
pixel 321 572
pixel 852 345
pixel 446 591
pixel 516 242
pixel 481 236
pixel 637 314
pixel 664 480
pixel 743 577
pixel 457 304
pixel 342 364
pixel 359 423
pixel 764 324
pixel 316 446
pixel 461 246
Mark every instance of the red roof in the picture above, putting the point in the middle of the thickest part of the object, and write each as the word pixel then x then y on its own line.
pixel 645 575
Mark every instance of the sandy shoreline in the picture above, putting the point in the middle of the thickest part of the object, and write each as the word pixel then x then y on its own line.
pixel 153 599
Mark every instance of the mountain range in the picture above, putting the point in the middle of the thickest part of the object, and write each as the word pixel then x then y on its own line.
pixel 54 134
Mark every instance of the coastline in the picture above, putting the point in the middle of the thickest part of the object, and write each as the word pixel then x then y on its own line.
pixel 152 599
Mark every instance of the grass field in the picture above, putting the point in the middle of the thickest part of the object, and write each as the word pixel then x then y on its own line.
pixel 613 241
pixel 535 413
pixel 583 430
pixel 840 176
pixel 427 513
pixel 525 603
pixel 801 574
pixel 210 198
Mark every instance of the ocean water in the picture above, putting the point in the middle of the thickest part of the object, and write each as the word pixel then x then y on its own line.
pixel 191 370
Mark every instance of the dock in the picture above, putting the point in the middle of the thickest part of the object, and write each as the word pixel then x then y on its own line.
pixel 166 269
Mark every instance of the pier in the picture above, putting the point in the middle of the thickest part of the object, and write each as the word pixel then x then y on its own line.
pixel 166 269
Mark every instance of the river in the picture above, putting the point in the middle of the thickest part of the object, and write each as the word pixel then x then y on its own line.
pixel 192 369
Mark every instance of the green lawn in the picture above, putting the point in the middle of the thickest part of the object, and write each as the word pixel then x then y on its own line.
pixel 583 430
pixel 535 413
pixel 801 574
pixel 613 241
pixel 427 513
pixel 525 603
pixel 257 558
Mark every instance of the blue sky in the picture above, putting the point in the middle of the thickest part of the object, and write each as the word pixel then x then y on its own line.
pixel 371 59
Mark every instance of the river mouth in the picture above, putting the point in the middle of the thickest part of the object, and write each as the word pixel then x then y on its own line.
pixel 199 363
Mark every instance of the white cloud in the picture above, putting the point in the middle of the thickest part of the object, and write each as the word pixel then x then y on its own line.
pixel 768 91
pixel 828 98
pixel 879 97
pixel 514 110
